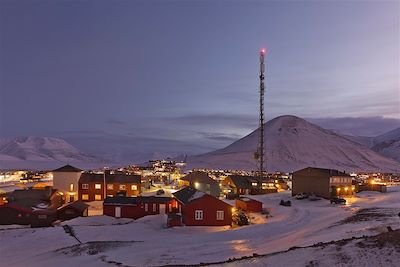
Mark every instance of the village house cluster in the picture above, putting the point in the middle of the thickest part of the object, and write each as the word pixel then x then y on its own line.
pixel 200 197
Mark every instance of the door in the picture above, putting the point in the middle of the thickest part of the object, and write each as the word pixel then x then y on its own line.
pixel 71 198
pixel 118 212
pixel 162 208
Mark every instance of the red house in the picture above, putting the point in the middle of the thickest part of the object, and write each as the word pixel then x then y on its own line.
pixel 137 207
pixel 200 209
pixel 248 204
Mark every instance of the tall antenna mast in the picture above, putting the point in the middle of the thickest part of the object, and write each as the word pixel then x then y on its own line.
pixel 261 146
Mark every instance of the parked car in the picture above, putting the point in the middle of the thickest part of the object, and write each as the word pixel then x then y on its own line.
pixel 301 196
pixel 160 192
pixel 314 198
pixel 338 200
pixel 287 203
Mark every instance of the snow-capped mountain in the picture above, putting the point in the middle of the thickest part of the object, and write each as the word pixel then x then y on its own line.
pixel 293 143
pixel 387 144
pixel 40 152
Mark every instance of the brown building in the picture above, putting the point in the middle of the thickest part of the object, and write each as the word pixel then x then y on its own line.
pixel 92 188
pixel 324 183
pixel 202 182
pixel 249 185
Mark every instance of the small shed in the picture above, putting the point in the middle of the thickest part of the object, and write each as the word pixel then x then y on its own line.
pixel 174 219
pixel 43 218
pixel 137 207
pixel 248 204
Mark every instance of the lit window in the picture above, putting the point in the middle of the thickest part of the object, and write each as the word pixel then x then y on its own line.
pixel 97 197
pixel 85 186
pixel 198 215
pixel 110 186
pixel 71 187
pixel 133 187
pixel 97 186
pixel 220 215
pixel 146 207
pixel 254 184
pixel 122 187
pixel 85 197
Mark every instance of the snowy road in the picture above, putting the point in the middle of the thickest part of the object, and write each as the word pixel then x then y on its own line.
pixel 305 223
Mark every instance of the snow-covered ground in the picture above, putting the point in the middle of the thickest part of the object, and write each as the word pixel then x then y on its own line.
pixel 146 242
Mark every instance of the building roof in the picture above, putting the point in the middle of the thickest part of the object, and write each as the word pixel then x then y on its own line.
pixel 76 205
pixel 67 168
pixel 37 194
pixel 330 172
pixel 199 177
pixel 110 178
pixel 241 181
pixel 31 198
pixel 188 194
pixel 121 200
pixel 246 199
pixel 16 207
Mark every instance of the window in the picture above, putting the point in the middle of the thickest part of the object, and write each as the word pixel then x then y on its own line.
pixel 85 186
pixel 254 184
pixel 122 187
pixel 85 197
pixel 97 197
pixel 69 211
pixel 198 215
pixel 71 187
pixel 154 207
pixel 97 186
pixel 133 187
pixel 110 186
pixel 146 207
pixel 220 215
pixel 42 216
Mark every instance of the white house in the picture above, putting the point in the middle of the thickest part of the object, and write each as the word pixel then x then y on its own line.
pixel 65 180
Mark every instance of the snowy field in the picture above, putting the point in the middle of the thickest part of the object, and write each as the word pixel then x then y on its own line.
pixel 146 242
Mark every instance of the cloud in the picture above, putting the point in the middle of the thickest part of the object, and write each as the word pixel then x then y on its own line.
pixel 115 122
pixel 229 138
pixel 221 120
pixel 361 126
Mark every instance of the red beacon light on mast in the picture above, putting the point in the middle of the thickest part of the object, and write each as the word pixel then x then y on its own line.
pixel 262 51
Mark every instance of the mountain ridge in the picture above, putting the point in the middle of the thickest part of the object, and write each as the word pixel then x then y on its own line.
pixel 293 143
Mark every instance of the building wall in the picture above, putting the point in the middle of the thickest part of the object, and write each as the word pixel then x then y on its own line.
pixel 92 191
pixel 43 220
pixel 12 216
pixel 312 182
pixel 133 211
pixel 70 213
pixel 211 189
pixel 62 182
pixel 251 206
pixel 209 205
pixel 339 184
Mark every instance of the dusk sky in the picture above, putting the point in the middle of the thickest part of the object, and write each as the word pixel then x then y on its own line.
pixel 188 70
